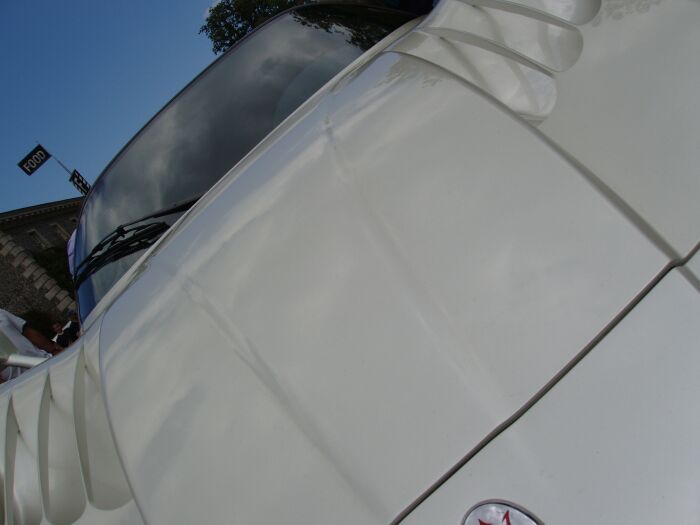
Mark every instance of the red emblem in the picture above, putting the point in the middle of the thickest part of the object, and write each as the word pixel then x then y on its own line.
pixel 505 519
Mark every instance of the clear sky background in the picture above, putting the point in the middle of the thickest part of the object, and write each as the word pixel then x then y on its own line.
pixel 82 77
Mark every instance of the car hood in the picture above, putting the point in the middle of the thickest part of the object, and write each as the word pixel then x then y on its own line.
pixel 359 303
pixel 385 279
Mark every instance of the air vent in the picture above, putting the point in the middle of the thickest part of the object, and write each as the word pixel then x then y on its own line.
pixel 60 462
pixel 511 50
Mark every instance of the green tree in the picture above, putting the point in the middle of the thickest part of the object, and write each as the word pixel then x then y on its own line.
pixel 230 20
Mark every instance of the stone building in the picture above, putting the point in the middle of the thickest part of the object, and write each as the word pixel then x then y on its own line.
pixel 34 277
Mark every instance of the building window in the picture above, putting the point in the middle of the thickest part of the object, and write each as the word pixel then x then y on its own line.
pixel 62 233
pixel 39 239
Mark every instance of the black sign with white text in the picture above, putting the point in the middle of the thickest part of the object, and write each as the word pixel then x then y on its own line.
pixel 79 182
pixel 34 160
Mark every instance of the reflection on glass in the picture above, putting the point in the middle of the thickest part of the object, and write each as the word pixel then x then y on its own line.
pixel 220 117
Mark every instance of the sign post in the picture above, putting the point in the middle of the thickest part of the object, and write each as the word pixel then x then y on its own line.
pixel 79 182
pixel 36 158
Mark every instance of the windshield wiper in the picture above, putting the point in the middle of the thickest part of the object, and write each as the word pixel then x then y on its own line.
pixel 121 230
pixel 129 240
pixel 126 239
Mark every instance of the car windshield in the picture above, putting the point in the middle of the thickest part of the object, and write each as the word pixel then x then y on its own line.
pixel 218 118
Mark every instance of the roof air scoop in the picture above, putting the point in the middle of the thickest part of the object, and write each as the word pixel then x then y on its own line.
pixel 511 50
pixel 577 12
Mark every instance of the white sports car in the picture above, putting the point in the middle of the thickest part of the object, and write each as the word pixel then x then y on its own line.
pixel 449 275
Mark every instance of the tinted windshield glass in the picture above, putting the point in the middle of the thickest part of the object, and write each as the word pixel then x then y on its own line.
pixel 220 117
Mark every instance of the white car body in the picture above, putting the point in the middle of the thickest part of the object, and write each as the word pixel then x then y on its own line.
pixel 464 270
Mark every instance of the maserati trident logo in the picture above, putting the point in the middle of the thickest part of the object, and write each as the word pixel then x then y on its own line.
pixel 499 513
pixel 505 519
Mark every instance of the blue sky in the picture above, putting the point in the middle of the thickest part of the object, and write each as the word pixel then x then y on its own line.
pixel 82 77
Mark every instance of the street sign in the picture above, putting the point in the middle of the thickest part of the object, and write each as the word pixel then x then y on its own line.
pixel 79 182
pixel 34 160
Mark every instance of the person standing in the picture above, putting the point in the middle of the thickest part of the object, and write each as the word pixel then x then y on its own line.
pixel 16 336
pixel 62 339
pixel 73 328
